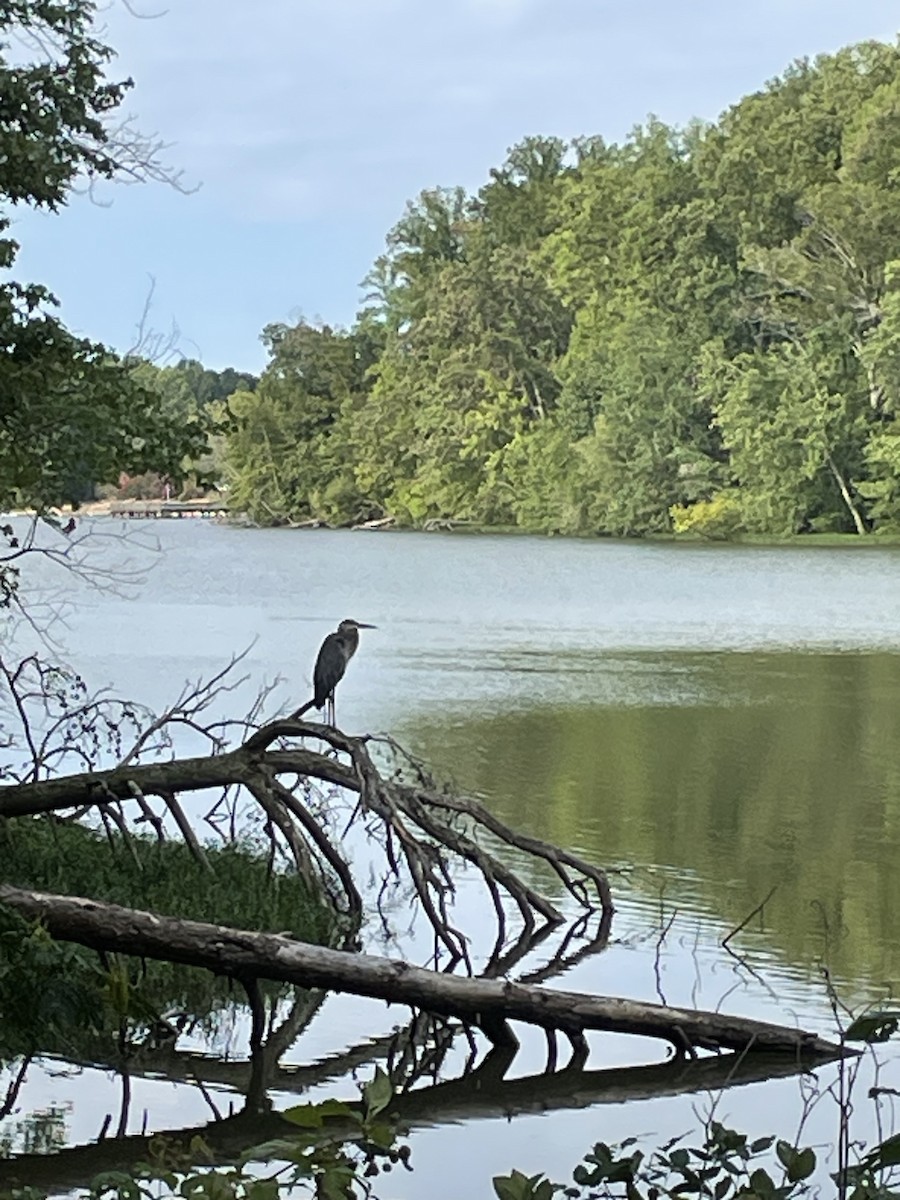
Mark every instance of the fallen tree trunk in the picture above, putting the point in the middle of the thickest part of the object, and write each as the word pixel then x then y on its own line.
pixel 162 778
pixel 488 1004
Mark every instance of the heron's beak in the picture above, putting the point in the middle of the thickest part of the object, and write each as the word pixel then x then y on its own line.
pixel 363 625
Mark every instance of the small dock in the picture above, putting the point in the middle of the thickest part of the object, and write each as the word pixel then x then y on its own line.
pixel 167 509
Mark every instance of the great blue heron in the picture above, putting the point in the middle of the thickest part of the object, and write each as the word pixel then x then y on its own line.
pixel 334 654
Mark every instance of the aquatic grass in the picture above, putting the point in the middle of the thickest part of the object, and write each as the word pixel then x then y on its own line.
pixel 46 989
pixel 238 889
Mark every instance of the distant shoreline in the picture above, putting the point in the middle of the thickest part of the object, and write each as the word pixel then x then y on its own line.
pixel 113 508
pixel 212 507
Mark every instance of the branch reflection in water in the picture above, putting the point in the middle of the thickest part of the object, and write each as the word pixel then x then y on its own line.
pixel 417 1052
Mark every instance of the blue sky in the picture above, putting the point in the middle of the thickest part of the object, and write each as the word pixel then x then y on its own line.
pixel 309 124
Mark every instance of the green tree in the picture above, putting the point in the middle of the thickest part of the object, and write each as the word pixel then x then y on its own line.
pixel 662 286
pixel 455 386
pixel 794 430
pixel 70 413
pixel 519 206
pixel 610 338
pixel 777 143
pixel 287 454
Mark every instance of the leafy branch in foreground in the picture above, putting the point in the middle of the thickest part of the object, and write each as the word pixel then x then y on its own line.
pixel 726 1164
pixel 307 1160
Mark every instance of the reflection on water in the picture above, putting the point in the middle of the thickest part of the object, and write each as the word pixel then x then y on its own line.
pixel 744 772
pixel 719 720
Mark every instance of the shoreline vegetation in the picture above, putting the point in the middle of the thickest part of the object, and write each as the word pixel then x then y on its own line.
pixel 696 331
pixel 119 508
pixel 692 333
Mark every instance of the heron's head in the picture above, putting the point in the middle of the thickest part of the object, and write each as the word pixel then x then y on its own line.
pixel 350 624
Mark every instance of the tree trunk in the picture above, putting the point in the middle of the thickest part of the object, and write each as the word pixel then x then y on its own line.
pixel 845 493
pixel 486 1003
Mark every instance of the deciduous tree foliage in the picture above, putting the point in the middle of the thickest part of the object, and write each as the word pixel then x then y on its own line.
pixel 70 413
pixel 607 337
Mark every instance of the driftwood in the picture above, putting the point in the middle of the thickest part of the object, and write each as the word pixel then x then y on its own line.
pixel 404 1050
pixel 488 1004
pixel 376 523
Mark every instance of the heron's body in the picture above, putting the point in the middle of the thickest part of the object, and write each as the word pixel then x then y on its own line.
pixel 336 651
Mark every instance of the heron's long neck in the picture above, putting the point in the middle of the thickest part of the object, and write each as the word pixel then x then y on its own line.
pixel 350 639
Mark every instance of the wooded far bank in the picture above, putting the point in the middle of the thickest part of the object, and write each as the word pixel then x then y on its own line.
pixel 697 330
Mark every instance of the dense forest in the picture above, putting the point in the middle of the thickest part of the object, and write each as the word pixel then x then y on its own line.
pixel 696 330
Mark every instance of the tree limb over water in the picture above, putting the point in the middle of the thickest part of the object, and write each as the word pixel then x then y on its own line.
pixel 422 831
pixel 305 799
pixel 423 834
pixel 488 1004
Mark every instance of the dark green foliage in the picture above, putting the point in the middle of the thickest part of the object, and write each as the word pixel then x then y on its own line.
pixel 70 414
pixel 288 454
pixel 51 993
pixel 57 997
pixel 52 108
pixel 237 890
pixel 605 337
pixel 728 1164
pixel 207 386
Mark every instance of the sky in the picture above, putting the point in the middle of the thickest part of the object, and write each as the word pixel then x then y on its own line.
pixel 303 127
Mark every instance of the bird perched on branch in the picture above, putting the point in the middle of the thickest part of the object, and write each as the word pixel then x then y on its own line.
pixel 334 654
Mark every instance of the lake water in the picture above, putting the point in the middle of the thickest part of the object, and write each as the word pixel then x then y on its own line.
pixel 716 722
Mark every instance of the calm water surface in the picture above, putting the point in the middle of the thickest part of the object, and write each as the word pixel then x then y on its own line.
pixel 715 721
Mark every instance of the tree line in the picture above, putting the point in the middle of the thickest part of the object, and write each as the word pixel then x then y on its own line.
pixel 696 330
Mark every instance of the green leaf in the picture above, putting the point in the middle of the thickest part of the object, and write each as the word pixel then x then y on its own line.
pixel 262 1189
pixel 313 1116
pixel 761 1144
pixel 761 1183
pixel 803 1165
pixel 517 1186
pixel 887 1154
pixel 337 1108
pixel 786 1154
pixel 381 1134
pixel 336 1183
pixel 306 1116
pixel 544 1190
pixel 377 1094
